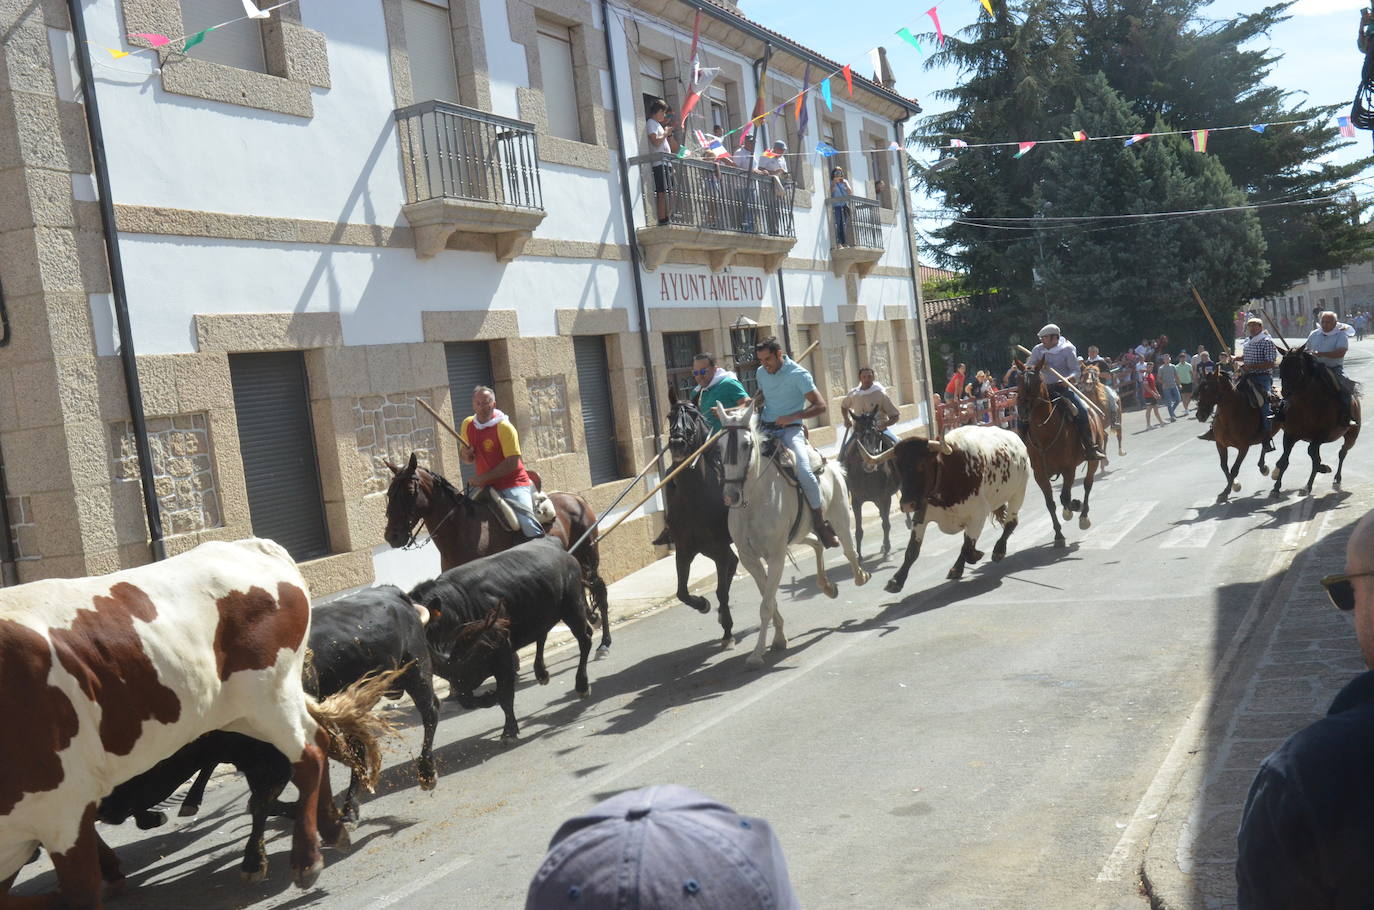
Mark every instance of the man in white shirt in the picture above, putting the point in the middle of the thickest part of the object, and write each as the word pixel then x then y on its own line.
pixel 1060 356
pixel 659 134
pixel 863 398
pixel 1330 342
pixel 774 164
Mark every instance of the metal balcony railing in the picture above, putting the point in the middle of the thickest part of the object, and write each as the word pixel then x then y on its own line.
pixel 854 222
pixel 454 152
pixel 716 196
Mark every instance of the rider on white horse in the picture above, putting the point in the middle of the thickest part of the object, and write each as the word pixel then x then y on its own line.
pixel 789 396
pixel 1059 353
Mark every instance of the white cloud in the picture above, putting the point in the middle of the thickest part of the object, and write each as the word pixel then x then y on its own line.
pixel 1325 7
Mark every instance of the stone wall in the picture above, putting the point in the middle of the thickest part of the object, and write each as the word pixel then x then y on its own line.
pixel 550 430
pixel 23 528
pixel 880 359
pixel 391 427
pixel 183 469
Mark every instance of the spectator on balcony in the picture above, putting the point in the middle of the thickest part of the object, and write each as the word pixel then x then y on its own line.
pixel 840 192
pixel 981 387
pixel 955 386
pixel 745 194
pixel 659 134
pixel 774 165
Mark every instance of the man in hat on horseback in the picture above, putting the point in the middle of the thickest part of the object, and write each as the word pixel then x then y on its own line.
pixel 1059 354
pixel 1257 368
pixel 863 399
pixel 491 443
pixel 790 396
pixel 1329 342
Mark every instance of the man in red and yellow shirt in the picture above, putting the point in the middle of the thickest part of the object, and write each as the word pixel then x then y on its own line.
pixel 494 447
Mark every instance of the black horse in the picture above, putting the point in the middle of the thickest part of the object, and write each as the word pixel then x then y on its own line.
pixel 869 483
pixel 697 512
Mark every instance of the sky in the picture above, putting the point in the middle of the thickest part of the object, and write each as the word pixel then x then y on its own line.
pixel 1317 44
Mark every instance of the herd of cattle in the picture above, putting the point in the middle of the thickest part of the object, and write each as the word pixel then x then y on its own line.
pixel 121 688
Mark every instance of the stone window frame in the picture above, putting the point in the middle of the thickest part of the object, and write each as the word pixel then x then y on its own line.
pixel 625 362
pixel 675 54
pixel 469 54
pixel 297 61
pixel 875 138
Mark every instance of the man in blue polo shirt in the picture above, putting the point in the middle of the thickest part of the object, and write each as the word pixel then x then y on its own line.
pixel 789 396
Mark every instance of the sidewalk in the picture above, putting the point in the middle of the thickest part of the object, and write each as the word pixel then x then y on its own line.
pixel 1289 664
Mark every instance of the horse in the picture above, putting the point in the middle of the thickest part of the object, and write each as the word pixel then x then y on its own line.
pixel 1311 414
pixel 867 482
pixel 1052 442
pixel 1238 425
pixel 1104 396
pixel 696 511
pixel 768 513
pixel 463 529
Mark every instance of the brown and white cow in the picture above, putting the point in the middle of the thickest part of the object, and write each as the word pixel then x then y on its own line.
pixel 101 678
pixel 975 473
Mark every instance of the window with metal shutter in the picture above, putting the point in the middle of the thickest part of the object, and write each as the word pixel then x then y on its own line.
pixel 238 44
pixel 598 416
pixel 429 45
pixel 272 403
pixel 469 365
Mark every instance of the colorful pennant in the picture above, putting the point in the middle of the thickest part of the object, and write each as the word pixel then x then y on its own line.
pixel 113 52
pixel 958 144
pixel 1258 127
pixel 825 94
pixel 1200 141
pixel 939 32
pixel 987 5
pixel 769 153
pixel 826 150
pixel 849 78
pixel 250 9
pixel 152 38
pixel 1080 136
pixel 1024 147
pixel 905 34
pixel 1347 128
pixel 197 38
pixel 893 146
pixel 803 111
pixel 1136 138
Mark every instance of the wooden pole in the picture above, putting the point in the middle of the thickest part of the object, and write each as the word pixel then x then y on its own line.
pixel 1060 376
pixel 1277 334
pixel 443 423
pixel 671 474
pixel 1231 346
pixel 628 487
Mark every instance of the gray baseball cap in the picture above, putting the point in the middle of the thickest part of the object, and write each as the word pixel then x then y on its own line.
pixel 661 848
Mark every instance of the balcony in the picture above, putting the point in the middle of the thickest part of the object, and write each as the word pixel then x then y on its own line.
pixel 856 236
pixel 468 170
pixel 713 207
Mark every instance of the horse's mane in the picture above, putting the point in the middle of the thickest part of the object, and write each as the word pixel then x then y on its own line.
pixel 441 484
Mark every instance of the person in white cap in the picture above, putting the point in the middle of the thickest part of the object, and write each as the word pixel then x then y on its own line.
pixel 1058 353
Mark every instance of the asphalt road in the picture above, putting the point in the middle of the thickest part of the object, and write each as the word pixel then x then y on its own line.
pixel 989 742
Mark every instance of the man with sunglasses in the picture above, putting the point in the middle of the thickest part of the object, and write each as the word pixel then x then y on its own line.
pixel 715 386
pixel 1307 835
pixel 1058 352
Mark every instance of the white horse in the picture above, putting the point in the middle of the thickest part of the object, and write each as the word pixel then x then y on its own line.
pixel 767 514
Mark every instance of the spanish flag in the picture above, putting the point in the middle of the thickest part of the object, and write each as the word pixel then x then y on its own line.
pixel 1200 141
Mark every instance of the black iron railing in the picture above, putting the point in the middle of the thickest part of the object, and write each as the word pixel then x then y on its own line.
pixel 854 221
pixel 715 195
pixel 455 152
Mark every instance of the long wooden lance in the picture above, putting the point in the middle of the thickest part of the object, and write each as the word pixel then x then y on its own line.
pixel 443 423
pixel 1229 346
pixel 1060 376
pixel 1279 343
pixel 645 498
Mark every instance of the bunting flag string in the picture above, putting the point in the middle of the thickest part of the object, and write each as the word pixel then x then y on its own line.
pixel 987 5
pixel 1080 136
pixel 825 94
pixel 250 9
pixel 849 79
pixel 197 38
pixel 826 150
pixel 934 15
pixel 1347 128
pixel 155 40
pixel 1259 127
pixel 1025 147
pixel 905 34
pixel 1136 138
pixel 1200 141
pixel 1131 138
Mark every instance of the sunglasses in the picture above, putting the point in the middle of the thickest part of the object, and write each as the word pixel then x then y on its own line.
pixel 1341 591
pixel 700 372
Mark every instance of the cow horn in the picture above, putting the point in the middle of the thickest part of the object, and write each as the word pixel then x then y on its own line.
pixel 939 447
pixel 718 411
pixel 872 459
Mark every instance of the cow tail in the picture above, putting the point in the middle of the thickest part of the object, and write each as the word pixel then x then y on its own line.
pixel 1000 514
pixel 354 731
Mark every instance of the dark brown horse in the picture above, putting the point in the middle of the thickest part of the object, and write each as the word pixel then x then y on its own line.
pixel 1052 443
pixel 1238 425
pixel 463 529
pixel 697 514
pixel 869 483
pixel 1312 415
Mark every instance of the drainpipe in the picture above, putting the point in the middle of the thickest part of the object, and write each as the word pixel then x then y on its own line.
pixel 9 555
pixel 117 289
pixel 635 265
pixel 915 274
pixel 782 288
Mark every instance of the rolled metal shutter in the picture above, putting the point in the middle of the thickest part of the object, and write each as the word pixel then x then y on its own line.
pixel 238 45
pixel 469 365
pixel 598 418
pixel 277 443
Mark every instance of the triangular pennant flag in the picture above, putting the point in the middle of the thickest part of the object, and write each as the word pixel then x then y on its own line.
pixel 250 9
pixel 1200 141
pixel 1080 136
pixel 116 53
pixel 197 38
pixel 1258 127
pixel 1347 129
pixel 803 111
pixel 826 150
pixel 894 146
pixel 905 34
pixel 958 144
pixel 849 78
pixel 705 76
pixel 769 153
pixel 987 5
pixel 876 59
pixel 1136 138
pixel 1024 147
pixel 152 38
pixel 825 93
pixel 939 32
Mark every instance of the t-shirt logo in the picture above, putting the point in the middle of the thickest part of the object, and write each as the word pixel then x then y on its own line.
pixel 488 444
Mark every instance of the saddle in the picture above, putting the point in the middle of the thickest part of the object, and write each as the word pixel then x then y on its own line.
pixel 544 511
pixel 786 461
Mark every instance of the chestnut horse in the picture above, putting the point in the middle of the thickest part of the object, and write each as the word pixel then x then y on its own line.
pixel 464 530
pixel 1104 396
pixel 1052 443
pixel 1311 414
pixel 1238 425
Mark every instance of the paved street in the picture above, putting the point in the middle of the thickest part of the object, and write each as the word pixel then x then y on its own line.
pixel 1008 740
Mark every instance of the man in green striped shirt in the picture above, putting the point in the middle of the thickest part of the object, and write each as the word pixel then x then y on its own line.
pixel 715 386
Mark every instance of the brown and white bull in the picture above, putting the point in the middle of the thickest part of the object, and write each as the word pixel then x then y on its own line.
pixel 101 678
pixel 975 473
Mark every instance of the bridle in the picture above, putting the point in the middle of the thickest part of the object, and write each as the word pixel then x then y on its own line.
pixel 732 453
pixel 415 523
